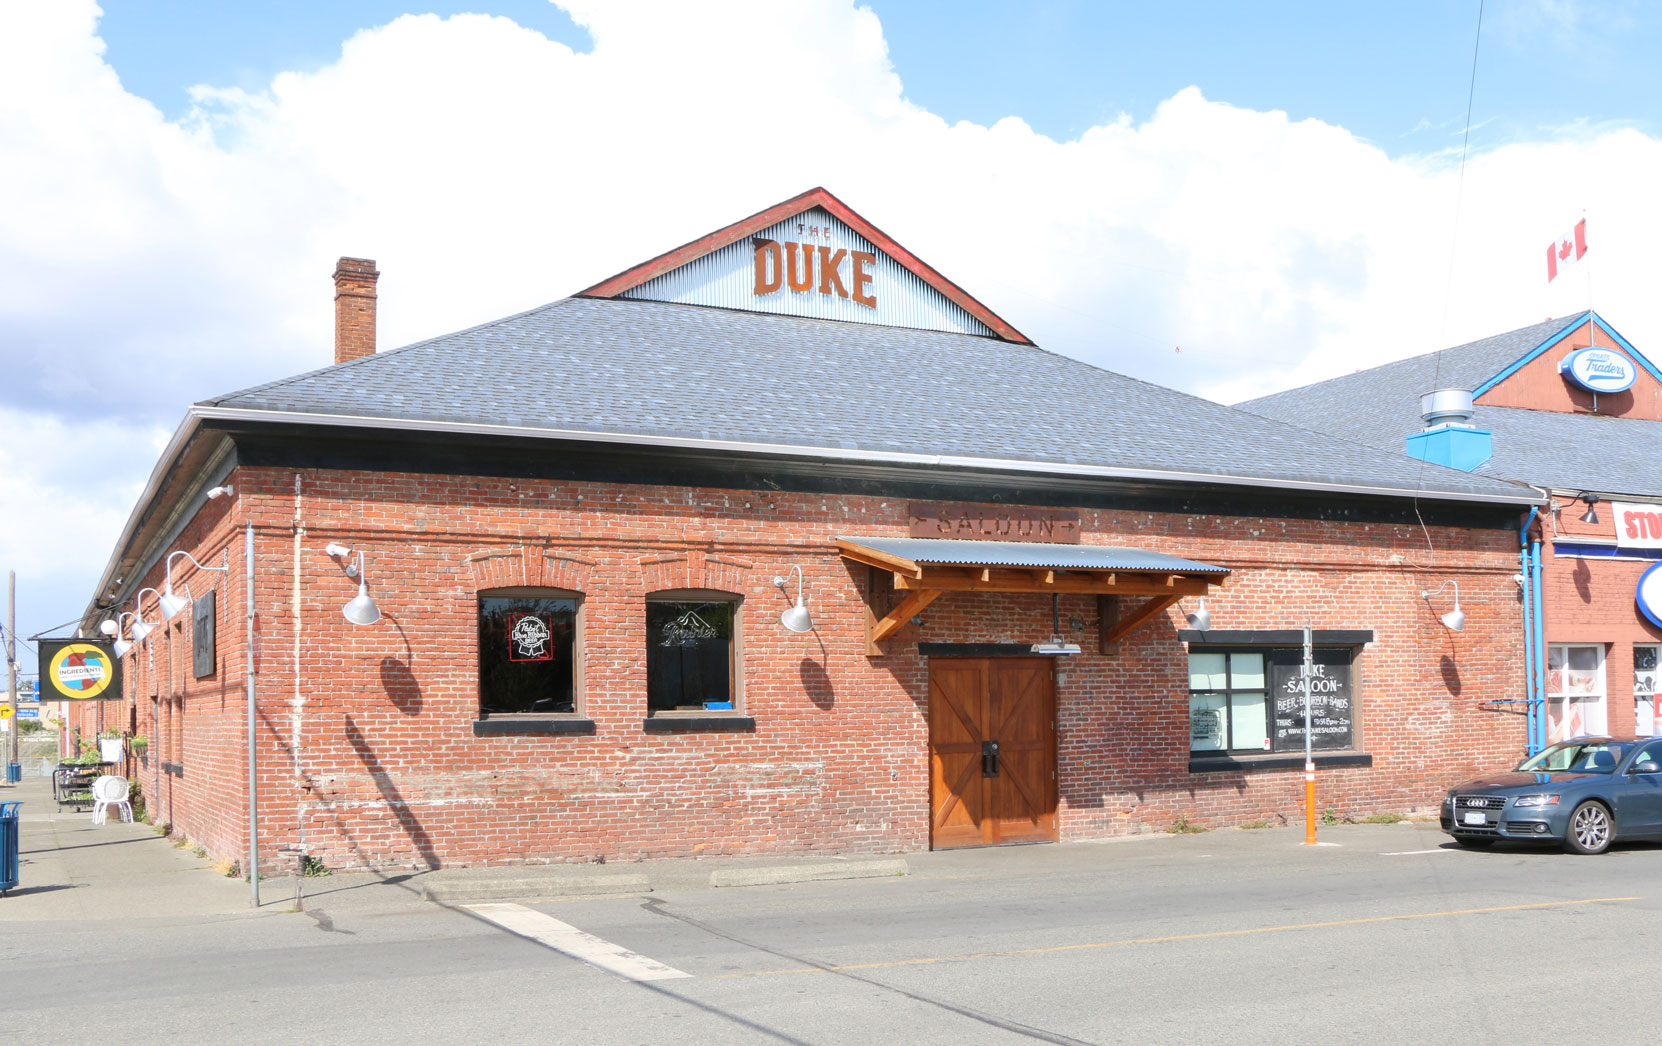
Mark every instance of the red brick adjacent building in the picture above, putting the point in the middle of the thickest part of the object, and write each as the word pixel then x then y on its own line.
pixel 1573 408
pixel 585 529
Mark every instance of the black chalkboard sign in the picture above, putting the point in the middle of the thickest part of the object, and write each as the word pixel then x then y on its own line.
pixel 1332 703
pixel 202 635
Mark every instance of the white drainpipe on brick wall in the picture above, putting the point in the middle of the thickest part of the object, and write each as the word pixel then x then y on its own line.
pixel 297 705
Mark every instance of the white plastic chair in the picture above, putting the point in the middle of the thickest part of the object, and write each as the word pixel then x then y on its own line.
pixel 109 791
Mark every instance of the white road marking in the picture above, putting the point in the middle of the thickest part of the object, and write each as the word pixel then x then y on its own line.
pixel 1409 853
pixel 569 940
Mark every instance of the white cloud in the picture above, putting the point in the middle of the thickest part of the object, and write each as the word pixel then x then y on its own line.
pixel 488 169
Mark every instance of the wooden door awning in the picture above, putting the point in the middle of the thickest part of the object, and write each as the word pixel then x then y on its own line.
pixel 923 568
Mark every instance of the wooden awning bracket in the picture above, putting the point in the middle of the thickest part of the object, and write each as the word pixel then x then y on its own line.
pixel 1137 618
pixel 903 612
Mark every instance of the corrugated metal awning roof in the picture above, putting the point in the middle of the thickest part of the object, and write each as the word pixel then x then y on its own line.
pixel 948 552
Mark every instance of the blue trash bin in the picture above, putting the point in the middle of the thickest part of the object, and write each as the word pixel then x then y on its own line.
pixel 8 846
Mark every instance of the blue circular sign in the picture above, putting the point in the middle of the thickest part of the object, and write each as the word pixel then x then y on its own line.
pixel 1649 595
pixel 1599 370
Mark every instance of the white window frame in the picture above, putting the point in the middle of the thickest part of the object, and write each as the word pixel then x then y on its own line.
pixel 1645 691
pixel 1594 716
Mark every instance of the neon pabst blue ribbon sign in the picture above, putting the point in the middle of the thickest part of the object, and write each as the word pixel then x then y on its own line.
pixel 1599 370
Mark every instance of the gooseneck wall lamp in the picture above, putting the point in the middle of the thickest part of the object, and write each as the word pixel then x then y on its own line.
pixel 112 627
pixel 171 603
pixel 360 610
pixel 1591 515
pixel 1201 619
pixel 797 618
pixel 1454 620
pixel 141 627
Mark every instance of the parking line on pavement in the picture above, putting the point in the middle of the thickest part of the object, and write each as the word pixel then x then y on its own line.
pixel 569 940
pixel 1170 940
pixel 1410 853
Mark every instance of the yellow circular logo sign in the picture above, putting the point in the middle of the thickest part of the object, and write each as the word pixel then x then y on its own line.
pixel 81 670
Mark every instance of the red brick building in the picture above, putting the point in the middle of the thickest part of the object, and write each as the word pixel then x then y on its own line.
pixel 1571 407
pixel 587 529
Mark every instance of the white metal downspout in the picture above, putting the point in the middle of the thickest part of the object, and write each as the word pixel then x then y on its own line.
pixel 297 704
pixel 252 868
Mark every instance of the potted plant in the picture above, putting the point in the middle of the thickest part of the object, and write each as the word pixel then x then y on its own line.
pixel 139 744
pixel 109 746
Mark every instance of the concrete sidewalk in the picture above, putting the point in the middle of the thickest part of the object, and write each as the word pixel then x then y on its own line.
pixel 71 869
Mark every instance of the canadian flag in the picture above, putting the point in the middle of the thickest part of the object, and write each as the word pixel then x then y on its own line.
pixel 1566 250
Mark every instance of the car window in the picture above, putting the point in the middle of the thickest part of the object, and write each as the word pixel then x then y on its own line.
pixel 1652 751
pixel 1577 757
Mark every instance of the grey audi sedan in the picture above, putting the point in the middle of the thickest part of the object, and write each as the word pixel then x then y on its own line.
pixel 1584 793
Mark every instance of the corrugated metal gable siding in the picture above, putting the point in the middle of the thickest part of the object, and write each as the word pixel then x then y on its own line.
pixel 726 278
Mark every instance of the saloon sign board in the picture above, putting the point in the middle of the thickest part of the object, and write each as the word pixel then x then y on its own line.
pixel 993 523
pixel 1599 370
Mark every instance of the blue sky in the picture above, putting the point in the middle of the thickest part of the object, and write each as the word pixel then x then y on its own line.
pixel 1396 74
pixel 1116 180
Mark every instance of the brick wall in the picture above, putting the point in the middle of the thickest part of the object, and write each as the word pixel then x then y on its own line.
pixel 368 755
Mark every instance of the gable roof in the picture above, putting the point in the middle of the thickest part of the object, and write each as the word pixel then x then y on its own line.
pixel 1381 408
pixel 817 197
pixel 672 375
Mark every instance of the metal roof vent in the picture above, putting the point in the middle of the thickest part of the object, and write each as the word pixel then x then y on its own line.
pixel 1446 407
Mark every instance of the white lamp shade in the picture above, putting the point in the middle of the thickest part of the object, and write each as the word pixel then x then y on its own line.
pixel 797 618
pixel 172 604
pixel 1455 620
pixel 142 629
pixel 362 610
pixel 121 648
pixel 108 627
pixel 1201 619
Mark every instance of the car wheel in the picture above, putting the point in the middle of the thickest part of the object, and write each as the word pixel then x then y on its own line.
pixel 1590 830
pixel 1475 842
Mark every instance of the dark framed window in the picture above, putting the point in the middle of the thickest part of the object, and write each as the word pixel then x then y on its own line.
pixel 528 646
pixel 692 653
pixel 1245 700
pixel 1228 702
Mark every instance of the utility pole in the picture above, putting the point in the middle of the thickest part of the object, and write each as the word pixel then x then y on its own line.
pixel 12 726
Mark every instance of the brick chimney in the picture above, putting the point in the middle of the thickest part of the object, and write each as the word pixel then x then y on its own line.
pixel 354 309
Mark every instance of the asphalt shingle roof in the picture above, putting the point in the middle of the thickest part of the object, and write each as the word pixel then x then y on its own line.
pixel 1381 407
pixel 655 369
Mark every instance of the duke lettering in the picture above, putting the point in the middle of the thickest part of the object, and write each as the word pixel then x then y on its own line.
pixel 779 264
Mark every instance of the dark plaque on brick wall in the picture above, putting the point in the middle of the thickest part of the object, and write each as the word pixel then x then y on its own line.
pixel 202 634
pixel 1332 702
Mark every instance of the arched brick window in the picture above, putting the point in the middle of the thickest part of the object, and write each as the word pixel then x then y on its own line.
pixel 692 652
pixel 530 652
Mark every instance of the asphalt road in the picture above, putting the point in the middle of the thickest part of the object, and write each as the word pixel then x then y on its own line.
pixel 1392 935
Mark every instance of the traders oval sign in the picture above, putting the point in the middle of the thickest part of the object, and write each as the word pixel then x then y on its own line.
pixel 1649 595
pixel 1599 370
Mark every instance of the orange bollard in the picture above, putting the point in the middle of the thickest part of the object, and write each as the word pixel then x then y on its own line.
pixel 1310 804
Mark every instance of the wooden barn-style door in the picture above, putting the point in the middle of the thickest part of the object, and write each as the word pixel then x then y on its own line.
pixel 992 751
